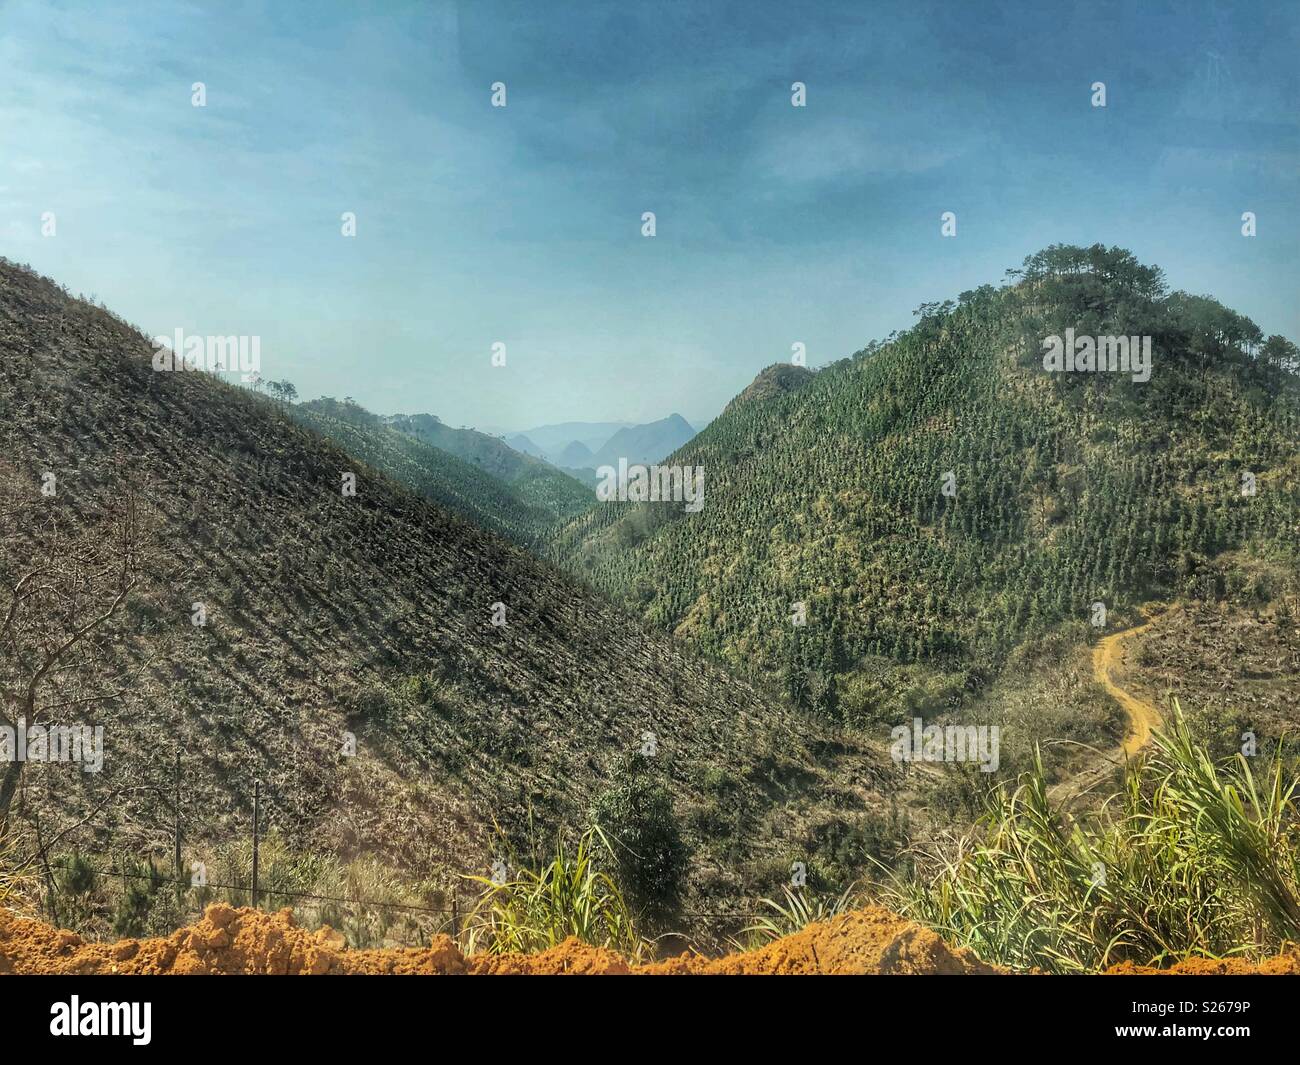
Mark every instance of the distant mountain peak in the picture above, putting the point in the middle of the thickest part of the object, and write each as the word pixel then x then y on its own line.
pixel 576 454
pixel 525 446
pixel 647 443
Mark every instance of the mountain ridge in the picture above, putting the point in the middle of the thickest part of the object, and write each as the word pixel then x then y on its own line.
pixel 644 444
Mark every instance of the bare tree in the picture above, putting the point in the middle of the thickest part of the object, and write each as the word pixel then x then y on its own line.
pixel 61 585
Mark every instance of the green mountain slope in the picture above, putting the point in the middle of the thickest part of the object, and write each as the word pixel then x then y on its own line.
pixel 520 499
pixel 327 616
pixel 535 481
pixel 1066 489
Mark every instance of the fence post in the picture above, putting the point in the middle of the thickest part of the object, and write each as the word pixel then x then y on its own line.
pixel 455 916
pixel 50 888
pixel 180 876
pixel 256 785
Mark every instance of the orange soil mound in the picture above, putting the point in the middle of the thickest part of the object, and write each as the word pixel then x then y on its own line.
pixel 866 941
pixel 226 940
pixel 1282 965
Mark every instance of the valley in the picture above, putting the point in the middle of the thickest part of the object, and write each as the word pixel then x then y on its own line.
pixel 467 659
pixel 328 616
pixel 728 489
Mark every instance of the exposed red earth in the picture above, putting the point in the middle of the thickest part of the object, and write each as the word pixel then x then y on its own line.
pixel 870 941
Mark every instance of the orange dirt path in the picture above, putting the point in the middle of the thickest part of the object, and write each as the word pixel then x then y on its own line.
pixel 1143 717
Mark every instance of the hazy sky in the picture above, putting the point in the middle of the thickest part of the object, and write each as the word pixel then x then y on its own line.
pixel 522 224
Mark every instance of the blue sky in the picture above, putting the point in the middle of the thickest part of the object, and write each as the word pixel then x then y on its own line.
pixel 522 224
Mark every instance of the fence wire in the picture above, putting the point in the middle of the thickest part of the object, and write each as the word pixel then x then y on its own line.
pixel 275 892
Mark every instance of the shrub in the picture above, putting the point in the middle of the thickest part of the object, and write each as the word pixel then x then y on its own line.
pixel 636 816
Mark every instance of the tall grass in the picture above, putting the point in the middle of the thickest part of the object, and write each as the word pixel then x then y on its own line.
pixel 312 883
pixel 538 909
pixel 17 884
pixel 796 912
pixel 1191 858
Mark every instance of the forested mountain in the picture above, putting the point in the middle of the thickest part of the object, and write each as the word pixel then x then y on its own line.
pixel 517 496
pixel 775 380
pixel 941 496
pixel 254 614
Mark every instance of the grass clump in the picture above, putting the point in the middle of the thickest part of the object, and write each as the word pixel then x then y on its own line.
pixel 799 909
pixel 540 908
pixel 1193 858
pixel 17 883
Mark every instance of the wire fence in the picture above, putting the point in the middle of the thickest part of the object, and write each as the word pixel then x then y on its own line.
pixel 272 892
pixel 193 893
pixel 453 920
pixel 379 904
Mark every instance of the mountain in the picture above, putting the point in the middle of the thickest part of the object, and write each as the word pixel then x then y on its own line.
pixel 941 498
pixel 776 380
pixel 276 610
pixel 644 444
pixel 524 509
pixel 576 455
pixel 534 480
pixel 583 446
pixel 553 439
pixel 522 444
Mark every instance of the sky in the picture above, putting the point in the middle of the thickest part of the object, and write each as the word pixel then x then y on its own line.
pixel 522 225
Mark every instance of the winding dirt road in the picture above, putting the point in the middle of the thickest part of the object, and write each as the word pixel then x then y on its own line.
pixel 1142 716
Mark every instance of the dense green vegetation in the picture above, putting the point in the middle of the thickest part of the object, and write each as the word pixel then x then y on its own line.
pixel 1066 489
pixel 635 816
pixel 537 908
